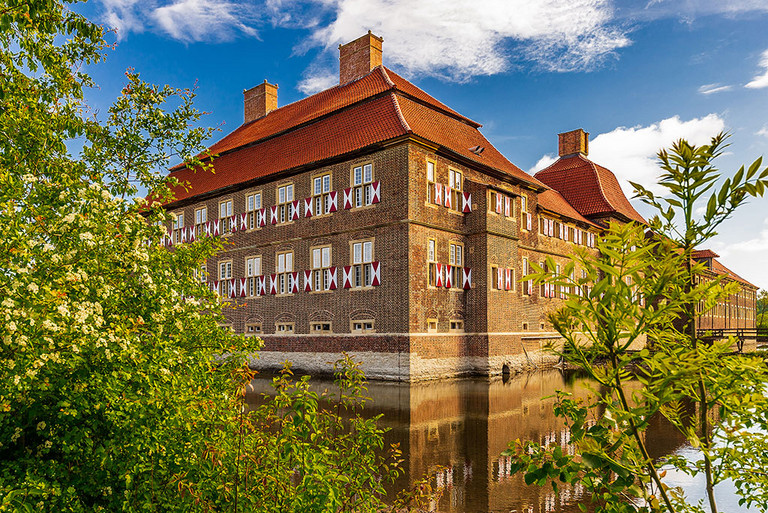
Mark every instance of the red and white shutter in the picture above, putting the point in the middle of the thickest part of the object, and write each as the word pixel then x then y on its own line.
pixel 184 235
pixel 448 197
pixel 307 207
pixel 499 203
pixel 500 278
pixel 332 281
pixel 192 234
pixel 215 287
pixel 261 217
pixel 376 271
pixel 528 220
pixel 294 282
pixel 438 194
pixel 273 284
pixel 232 288
pixel 207 228
pixel 334 201
pixel 466 202
pixel 347 198
pixel 448 277
pixel 243 221
pixel 346 278
pixel 261 285
pixel 216 227
pixel 507 279
pixel 507 206
pixel 233 226
pixel 295 213
pixel 375 192
pixel 466 278
pixel 307 281
pixel 273 214
pixel 438 275
pixel 243 285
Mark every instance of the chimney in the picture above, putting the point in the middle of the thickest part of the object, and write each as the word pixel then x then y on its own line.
pixel 573 142
pixel 259 101
pixel 359 57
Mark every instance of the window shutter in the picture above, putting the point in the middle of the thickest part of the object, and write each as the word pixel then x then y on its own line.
pixel 499 203
pixel 334 201
pixel 273 214
pixel 528 220
pixel 448 277
pixel 376 268
pixel 347 277
pixel 438 193
pixel 448 197
pixel 507 206
pixel 376 192
pixel 438 275
pixel 307 207
pixel 273 284
pixel 332 278
pixel 467 278
pixel 466 202
pixel 347 198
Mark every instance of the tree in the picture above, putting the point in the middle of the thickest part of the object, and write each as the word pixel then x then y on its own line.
pixel 762 309
pixel 639 288
pixel 119 389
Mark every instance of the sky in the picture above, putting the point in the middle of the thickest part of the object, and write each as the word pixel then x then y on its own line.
pixel 636 75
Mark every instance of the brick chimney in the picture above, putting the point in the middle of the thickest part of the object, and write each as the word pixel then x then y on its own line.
pixel 575 141
pixel 359 57
pixel 259 101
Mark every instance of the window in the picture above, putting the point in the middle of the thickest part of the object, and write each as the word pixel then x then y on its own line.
pixel 362 177
pixel 253 328
pixel 201 274
pixel 457 325
pixel 430 180
pixel 225 277
pixel 178 225
pixel 456 259
pixel 284 327
pixel 362 326
pixel 252 204
pixel 321 194
pixel 320 327
pixel 225 213
pixel 362 257
pixel 201 217
pixel 284 202
pixel 431 261
pixel 526 272
pixel 431 325
pixel 525 216
pixel 284 268
pixel 558 289
pixel 455 183
pixel 321 264
pixel 252 271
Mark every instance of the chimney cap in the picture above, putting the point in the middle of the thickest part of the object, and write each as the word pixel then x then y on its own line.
pixel 573 142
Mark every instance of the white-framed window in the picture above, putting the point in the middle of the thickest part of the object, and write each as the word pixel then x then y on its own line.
pixel 284 202
pixel 252 204
pixel 320 327
pixel 321 268
pixel 201 217
pixel 201 273
pixel 431 171
pixel 321 194
pixel 225 214
pixel 525 216
pixel 253 328
pixel 252 272
pixel 455 182
pixel 362 257
pixel 178 225
pixel 431 261
pixel 456 259
pixel 284 268
pixel 225 277
pixel 362 177
pixel 361 326
pixel 284 327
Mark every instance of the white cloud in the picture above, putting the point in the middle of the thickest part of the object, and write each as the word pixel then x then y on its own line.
pixel 185 20
pixel 763 131
pixel 631 152
pixel 545 161
pixel 714 88
pixel 760 81
pixel 464 38
pixel 745 257
pixel 317 81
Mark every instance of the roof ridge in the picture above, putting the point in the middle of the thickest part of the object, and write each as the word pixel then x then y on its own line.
pixel 400 115
pixel 601 185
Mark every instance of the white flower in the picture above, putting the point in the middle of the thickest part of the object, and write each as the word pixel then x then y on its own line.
pixel 105 195
pixel 28 178
pixel 48 247
pixel 33 288
pixel 12 326
pixel 69 218
pixel 86 236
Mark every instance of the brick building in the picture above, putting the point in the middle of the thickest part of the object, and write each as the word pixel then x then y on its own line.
pixel 372 218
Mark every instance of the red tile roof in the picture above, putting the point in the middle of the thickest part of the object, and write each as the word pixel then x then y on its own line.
pixel 552 200
pixel 591 189
pixel 375 108
pixel 704 253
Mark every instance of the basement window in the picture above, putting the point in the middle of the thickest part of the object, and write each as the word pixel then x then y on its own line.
pixel 320 327
pixel 284 327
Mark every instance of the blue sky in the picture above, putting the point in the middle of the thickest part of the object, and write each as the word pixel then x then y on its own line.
pixel 636 75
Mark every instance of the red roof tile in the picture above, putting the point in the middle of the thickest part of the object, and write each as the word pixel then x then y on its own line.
pixel 704 253
pixel 552 200
pixel 379 106
pixel 362 125
pixel 591 189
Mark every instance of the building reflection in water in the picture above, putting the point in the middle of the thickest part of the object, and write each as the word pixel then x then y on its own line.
pixel 454 431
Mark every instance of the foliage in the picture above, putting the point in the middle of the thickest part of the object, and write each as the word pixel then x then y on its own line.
pixel 762 309
pixel 119 390
pixel 635 293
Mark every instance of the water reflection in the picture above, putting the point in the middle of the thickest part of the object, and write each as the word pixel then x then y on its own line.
pixel 454 431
